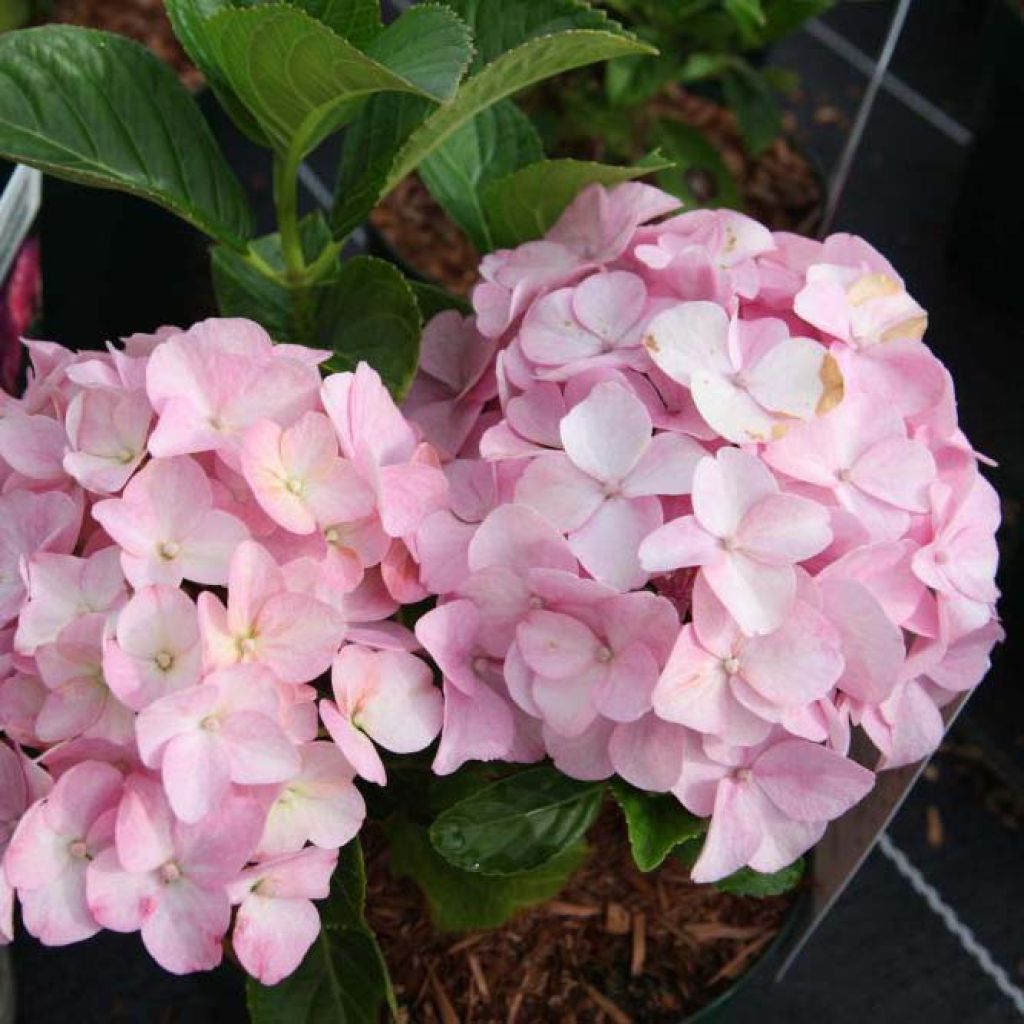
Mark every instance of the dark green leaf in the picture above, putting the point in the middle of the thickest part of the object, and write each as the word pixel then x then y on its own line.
pixel 371 314
pixel 433 300
pixel 634 80
pixel 527 64
pixel 524 205
pixel 785 16
pixel 343 978
pixel 372 142
pixel 516 824
pixel 699 177
pixel 101 109
pixel 297 78
pixel 358 21
pixel 188 19
pixel 747 882
pixel 657 823
pixel 460 901
pixel 289 313
pixel 756 109
pixel 495 143
pixel 518 43
pixel 699 66
pixel 749 17
pixel 501 25
pixel 428 46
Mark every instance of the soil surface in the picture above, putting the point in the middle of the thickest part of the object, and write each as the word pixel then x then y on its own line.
pixel 142 20
pixel 616 947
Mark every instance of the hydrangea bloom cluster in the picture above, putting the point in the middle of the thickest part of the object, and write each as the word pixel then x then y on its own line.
pixel 710 511
pixel 194 528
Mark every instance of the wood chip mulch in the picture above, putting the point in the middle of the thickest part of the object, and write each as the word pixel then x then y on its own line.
pixel 616 947
pixel 414 225
pixel 142 20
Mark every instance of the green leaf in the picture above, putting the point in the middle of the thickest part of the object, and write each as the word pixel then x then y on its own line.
pixel 343 978
pixel 371 314
pixel 372 142
pixel 358 21
pixel 428 46
pixel 188 18
pixel 747 882
pixel 519 42
pixel 297 78
pixel 524 205
pixel 460 901
pixel 700 66
pixel 527 64
pixel 289 313
pixel 656 822
pixel 632 80
pixel 102 110
pixel 749 17
pixel 700 176
pixel 495 143
pixel 501 25
pixel 756 109
pixel 433 300
pixel 516 824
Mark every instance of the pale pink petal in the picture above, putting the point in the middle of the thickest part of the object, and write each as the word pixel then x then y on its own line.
pixel 666 467
pixel 790 378
pixel 185 931
pixel 690 338
pixel 810 783
pixel 783 529
pixel 682 542
pixel 608 544
pixel 271 936
pixel 556 645
pixel 480 727
pixel 898 472
pixel 758 596
pixel 727 487
pixel 196 773
pixel 607 455
pixel 734 834
pixel 648 753
pixel 563 494
pixel 357 747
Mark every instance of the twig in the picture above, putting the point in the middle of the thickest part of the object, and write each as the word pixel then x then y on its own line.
pixel 617 1015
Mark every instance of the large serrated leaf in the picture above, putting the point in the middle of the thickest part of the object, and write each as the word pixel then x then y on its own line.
pixel 502 25
pixel 460 901
pixel 298 79
pixel 495 143
pixel 524 205
pixel 343 978
pixel 517 69
pixel 519 42
pixel 516 824
pixel 188 19
pixel 371 314
pixel 656 823
pixel 358 21
pixel 101 109
pixel 429 46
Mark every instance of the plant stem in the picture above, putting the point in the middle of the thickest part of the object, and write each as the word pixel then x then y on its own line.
pixel 286 200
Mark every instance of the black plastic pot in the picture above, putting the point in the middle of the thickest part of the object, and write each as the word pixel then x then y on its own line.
pixel 114 264
pixel 989 216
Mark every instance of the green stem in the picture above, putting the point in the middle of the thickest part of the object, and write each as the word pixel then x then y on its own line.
pixel 286 200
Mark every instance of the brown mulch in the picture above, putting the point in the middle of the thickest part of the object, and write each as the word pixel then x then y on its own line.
pixel 142 20
pixel 415 226
pixel 617 946
pixel 780 187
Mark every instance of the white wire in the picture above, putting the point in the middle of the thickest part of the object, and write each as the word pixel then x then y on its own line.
pixel 842 172
pixel 977 952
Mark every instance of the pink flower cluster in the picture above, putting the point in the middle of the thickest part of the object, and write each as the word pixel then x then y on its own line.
pixel 194 528
pixel 710 510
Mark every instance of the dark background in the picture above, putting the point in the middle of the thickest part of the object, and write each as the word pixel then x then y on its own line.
pixel 936 185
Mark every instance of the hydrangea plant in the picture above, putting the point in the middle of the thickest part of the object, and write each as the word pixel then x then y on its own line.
pixel 675 507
